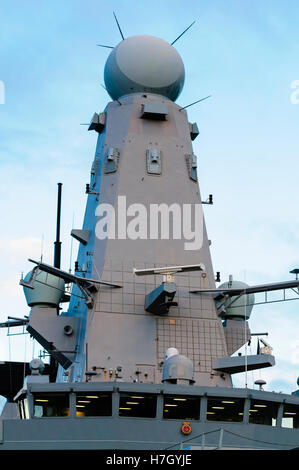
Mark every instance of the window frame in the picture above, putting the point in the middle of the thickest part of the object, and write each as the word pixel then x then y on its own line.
pixel 35 396
pixel 222 400
pixel 131 395
pixel 264 403
pixel 178 397
pixel 90 393
pixel 292 406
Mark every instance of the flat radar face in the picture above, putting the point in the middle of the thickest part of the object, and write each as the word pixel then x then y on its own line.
pixel 144 64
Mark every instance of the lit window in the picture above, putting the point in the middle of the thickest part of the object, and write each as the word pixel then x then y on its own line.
pixel 97 404
pixel 225 409
pixel 47 405
pixel 137 405
pixel 263 412
pixel 181 407
pixel 290 418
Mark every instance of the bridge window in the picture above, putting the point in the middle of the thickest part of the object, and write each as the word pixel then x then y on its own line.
pixel 290 417
pixel 47 405
pixel 137 405
pixel 93 404
pixel 181 407
pixel 263 412
pixel 225 409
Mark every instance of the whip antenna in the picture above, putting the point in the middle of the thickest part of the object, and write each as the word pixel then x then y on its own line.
pixel 103 45
pixel 182 33
pixel 198 101
pixel 121 33
pixel 57 243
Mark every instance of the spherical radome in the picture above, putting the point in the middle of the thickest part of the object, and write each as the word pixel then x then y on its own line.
pixel 144 64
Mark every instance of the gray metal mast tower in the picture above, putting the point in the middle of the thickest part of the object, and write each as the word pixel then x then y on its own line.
pixel 144 159
pixel 143 248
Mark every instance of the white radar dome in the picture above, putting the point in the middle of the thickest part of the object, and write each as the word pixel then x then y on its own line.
pixel 144 64
pixel 171 352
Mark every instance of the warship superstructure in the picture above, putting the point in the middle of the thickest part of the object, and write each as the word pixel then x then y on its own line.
pixel 142 342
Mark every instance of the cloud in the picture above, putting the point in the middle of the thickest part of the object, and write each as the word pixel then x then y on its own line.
pixel 24 248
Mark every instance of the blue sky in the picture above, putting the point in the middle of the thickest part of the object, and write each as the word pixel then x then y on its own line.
pixel 244 53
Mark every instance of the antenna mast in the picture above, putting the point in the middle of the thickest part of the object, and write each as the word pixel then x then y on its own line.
pixel 182 33
pixel 57 243
pixel 119 28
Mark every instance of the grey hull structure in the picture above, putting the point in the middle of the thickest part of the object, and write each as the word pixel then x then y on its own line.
pixel 145 349
pixel 148 433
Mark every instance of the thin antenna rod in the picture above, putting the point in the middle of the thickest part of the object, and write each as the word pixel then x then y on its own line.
pixel 108 47
pixel 42 248
pixel 246 341
pixel 71 252
pixel 108 94
pixel 182 33
pixel 121 33
pixel 57 243
pixel 198 101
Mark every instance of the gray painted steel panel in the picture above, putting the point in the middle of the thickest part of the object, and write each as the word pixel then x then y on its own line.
pixel 237 364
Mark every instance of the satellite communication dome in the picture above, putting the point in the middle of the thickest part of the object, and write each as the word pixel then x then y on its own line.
pixel 47 290
pixel 178 367
pixel 144 64
pixel 241 307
